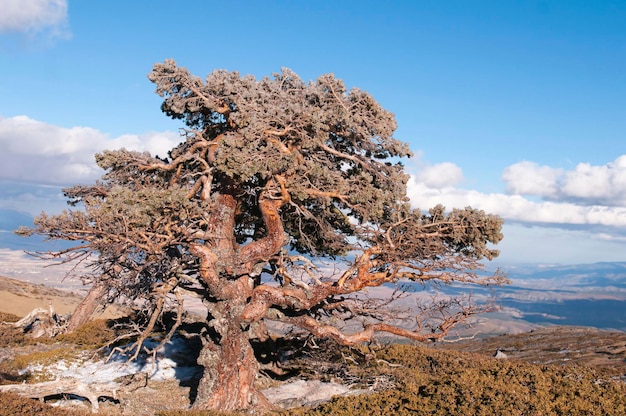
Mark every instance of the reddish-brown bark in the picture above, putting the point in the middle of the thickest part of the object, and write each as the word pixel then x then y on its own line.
pixel 230 371
pixel 230 366
pixel 87 307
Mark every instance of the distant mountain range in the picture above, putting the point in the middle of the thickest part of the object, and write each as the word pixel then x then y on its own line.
pixel 11 220
pixel 577 295
pixel 584 294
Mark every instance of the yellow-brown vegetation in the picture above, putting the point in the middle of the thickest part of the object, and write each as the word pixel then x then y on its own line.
pixel 432 382
pixel 93 334
pixel 424 381
pixel 12 404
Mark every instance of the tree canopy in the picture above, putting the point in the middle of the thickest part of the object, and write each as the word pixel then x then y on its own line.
pixel 271 176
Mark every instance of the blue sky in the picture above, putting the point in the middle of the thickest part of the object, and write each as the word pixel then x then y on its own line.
pixel 514 107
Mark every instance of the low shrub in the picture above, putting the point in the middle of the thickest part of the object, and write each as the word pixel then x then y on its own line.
pixel 93 334
pixel 8 317
pixel 433 382
pixel 424 381
pixel 11 336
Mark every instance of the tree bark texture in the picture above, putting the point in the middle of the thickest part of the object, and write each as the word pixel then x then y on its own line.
pixel 230 370
pixel 87 306
pixel 230 366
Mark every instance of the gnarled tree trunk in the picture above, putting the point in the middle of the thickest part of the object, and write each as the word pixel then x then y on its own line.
pixel 230 366
pixel 230 370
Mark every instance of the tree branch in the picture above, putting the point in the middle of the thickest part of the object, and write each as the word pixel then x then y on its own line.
pixel 262 249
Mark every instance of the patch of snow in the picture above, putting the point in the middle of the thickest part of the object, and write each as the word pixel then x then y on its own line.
pixel 168 365
pixel 176 360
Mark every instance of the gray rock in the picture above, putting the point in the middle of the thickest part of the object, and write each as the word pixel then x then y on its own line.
pixel 306 393
pixel 500 355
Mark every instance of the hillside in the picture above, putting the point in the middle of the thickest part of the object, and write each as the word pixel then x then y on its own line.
pixel 557 345
pixel 19 298
pixel 549 371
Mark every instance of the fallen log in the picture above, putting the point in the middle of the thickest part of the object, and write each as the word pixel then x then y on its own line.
pixel 90 391
pixel 41 322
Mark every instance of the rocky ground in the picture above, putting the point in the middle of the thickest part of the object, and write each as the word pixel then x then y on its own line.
pixel 145 393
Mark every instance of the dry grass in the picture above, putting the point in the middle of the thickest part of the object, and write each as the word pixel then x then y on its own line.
pixel 93 334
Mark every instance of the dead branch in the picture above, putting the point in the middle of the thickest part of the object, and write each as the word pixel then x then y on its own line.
pixel 41 322
pixel 90 391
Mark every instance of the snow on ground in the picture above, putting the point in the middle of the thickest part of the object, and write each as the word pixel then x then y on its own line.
pixel 170 364
pixel 176 362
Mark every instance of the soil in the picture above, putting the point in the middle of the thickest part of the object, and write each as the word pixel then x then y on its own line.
pixel 19 298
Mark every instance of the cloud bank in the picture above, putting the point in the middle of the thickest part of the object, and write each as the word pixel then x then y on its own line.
pixel 585 184
pixel 36 152
pixel 38 158
pixel 538 195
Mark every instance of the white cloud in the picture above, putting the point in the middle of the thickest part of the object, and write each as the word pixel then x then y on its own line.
pixel 606 183
pixel 528 178
pixel 37 152
pixel 517 207
pixel 440 175
pixel 586 184
pixel 31 16
pixel 551 214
